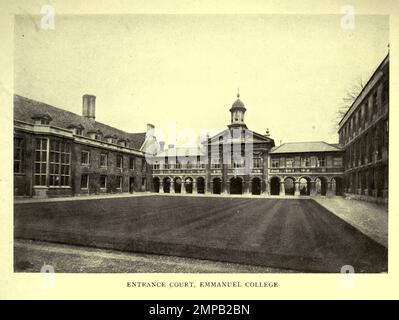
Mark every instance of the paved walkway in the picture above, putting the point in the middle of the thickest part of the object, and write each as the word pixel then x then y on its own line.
pixel 30 256
pixel 143 194
pixel 369 218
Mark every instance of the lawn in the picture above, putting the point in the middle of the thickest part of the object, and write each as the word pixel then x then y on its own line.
pixel 295 234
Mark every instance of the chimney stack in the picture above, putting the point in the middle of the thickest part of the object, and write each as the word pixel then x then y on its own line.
pixel 171 146
pixel 89 107
pixel 150 128
pixel 161 146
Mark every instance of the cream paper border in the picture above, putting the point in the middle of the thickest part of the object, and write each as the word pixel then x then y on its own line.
pixel 113 286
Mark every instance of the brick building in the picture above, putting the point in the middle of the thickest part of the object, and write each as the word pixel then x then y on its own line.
pixel 363 133
pixel 60 153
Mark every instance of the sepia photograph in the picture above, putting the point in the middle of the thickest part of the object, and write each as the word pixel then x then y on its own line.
pixel 201 143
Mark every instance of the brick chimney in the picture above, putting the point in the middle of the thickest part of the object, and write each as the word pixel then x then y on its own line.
pixel 89 107
pixel 150 127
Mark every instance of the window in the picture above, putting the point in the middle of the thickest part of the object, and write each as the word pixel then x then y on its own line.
pixel 155 166
pixel 103 182
pixel 84 181
pixel 60 156
pixel 321 161
pixel 85 158
pixel 45 121
pixel 103 160
pixel 306 162
pixel 385 92
pixel 275 163
pixel 79 132
pixel 366 112
pixel 257 163
pixel 337 162
pixel 238 163
pixel 132 163
pixel 119 161
pixel 375 104
pixel 18 155
pixel 40 162
pixel 143 183
pixel 143 165
pixel 120 183
pixel 289 162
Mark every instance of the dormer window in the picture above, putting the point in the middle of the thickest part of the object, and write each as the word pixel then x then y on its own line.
pixel 122 142
pixel 77 129
pixel 95 134
pixel 42 119
pixel 110 138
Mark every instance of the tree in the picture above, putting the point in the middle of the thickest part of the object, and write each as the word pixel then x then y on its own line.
pixel 348 99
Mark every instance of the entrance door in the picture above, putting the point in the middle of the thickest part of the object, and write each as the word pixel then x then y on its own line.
pixel 236 186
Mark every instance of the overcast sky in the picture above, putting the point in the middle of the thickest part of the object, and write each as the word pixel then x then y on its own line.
pixel 292 70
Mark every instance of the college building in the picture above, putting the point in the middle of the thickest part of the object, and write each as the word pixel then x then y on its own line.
pixel 364 135
pixel 241 161
pixel 60 153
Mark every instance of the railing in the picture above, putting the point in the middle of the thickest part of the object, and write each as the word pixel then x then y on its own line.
pixel 307 170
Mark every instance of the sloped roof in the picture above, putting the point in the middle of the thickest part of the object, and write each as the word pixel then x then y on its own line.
pixel 301 147
pixel 365 90
pixel 25 109
pixel 256 137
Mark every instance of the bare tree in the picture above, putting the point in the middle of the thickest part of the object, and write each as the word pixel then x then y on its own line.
pixel 348 99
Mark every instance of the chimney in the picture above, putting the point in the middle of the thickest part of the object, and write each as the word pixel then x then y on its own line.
pixel 89 107
pixel 150 127
pixel 161 146
pixel 171 146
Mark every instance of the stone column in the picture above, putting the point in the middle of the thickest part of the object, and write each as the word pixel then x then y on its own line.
pixel 329 192
pixel 172 187
pixel 246 185
pixel 282 188
pixel 312 186
pixel 376 182
pixel 161 186
pixel 183 186
pixel 194 186
pixel 386 177
pixel 297 192
pixel 366 187
pixel 266 191
pixel 225 187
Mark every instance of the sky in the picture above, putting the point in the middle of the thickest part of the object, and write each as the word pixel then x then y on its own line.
pixel 183 71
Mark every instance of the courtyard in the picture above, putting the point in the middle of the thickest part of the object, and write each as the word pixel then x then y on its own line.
pixel 285 233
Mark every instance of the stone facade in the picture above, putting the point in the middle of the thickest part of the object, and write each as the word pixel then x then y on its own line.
pixel 364 134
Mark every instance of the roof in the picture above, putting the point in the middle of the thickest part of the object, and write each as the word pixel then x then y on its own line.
pixel 25 109
pixel 251 136
pixel 238 104
pixel 302 147
pixel 363 93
